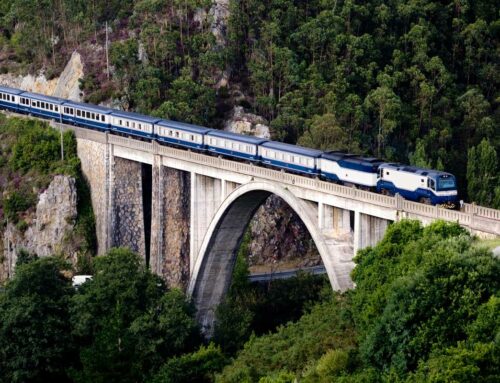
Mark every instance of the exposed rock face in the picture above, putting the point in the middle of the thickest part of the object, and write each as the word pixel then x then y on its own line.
pixel 247 123
pixel 55 217
pixel 68 83
pixel 66 86
pixel 279 236
pixel 38 84
pixel 128 211
pixel 220 14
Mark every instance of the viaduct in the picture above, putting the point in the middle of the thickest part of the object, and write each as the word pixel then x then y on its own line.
pixel 186 212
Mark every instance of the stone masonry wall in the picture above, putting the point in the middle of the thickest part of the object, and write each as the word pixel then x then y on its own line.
pixel 127 214
pixel 93 157
pixel 170 226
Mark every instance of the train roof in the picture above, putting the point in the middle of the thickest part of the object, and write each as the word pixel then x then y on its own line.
pixel 135 116
pixel 95 108
pixel 42 97
pixel 183 126
pixel 292 149
pixel 336 155
pixel 415 170
pixel 7 89
pixel 236 137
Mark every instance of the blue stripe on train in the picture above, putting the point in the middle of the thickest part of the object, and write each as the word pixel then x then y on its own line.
pixel 285 165
pixel 43 113
pixel 233 153
pixel 85 122
pixel 132 132
pixel 330 176
pixel 175 141
pixel 8 105
pixel 415 195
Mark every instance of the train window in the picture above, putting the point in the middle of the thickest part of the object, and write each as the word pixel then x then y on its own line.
pixel 127 123
pixel 139 126
pixel 170 132
pixel 102 117
pixel 431 183
pixel 78 113
pixel 3 96
pixel 422 180
pixel 386 173
pixel 51 107
pixel 191 137
pixel 176 134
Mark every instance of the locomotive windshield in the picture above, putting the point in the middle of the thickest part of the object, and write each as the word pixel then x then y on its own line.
pixel 446 183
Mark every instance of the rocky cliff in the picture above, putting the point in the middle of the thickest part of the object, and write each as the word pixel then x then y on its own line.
pixel 65 86
pixel 50 227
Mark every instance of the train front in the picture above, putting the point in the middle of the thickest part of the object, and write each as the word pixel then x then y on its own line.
pixel 445 192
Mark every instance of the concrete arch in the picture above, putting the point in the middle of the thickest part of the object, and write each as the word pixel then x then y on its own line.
pixel 213 267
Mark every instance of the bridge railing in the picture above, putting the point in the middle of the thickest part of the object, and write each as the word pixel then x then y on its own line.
pixel 465 217
pixel 482 211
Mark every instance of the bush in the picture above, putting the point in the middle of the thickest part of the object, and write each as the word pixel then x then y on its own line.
pixel 17 202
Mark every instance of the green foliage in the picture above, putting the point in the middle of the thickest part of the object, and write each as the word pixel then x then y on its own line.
pixel 199 366
pixel 483 180
pixel 125 323
pixel 188 101
pixel 24 256
pixel 36 148
pixel 326 133
pixel 17 202
pixel 34 324
pixel 260 308
pixel 423 291
pixel 292 347
pixel 425 308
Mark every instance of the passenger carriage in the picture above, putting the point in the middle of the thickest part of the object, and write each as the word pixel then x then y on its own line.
pixel 417 184
pixel 181 134
pixel 350 169
pixel 234 145
pixel 9 98
pixel 92 116
pixel 40 105
pixel 133 124
pixel 290 157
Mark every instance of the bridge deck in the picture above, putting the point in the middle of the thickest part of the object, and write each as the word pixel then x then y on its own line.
pixel 478 218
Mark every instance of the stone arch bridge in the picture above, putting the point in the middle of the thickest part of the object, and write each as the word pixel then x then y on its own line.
pixel 186 212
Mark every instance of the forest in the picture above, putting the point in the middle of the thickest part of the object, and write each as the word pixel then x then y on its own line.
pixel 426 308
pixel 412 81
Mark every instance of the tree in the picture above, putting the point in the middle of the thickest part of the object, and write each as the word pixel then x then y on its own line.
pixel 188 101
pixel 325 133
pixel 483 180
pixel 35 331
pixel 419 291
pixel 125 324
pixel 386 105
pixel 199 366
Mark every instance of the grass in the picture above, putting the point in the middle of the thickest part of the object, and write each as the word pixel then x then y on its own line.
pixel 489 243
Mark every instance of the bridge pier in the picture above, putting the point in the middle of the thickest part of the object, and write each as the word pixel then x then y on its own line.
pixel 170 221
pixel 368 230
pixel 127 209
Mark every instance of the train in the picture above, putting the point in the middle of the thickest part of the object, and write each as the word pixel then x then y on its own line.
pixel 368 173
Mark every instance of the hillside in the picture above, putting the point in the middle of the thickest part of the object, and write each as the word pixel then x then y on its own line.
pixel 413 82
pixel 44 207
